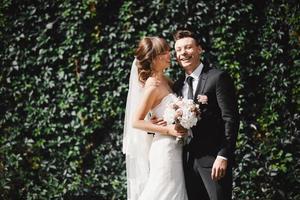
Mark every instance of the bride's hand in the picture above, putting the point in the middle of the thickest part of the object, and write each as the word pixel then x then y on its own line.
pixel 175 132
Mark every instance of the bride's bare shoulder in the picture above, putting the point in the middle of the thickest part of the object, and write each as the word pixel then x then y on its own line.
pixel 152 82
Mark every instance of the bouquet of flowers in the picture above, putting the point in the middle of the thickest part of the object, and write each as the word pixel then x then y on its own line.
pixel 184 113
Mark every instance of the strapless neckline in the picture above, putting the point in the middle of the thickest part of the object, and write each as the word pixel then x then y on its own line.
pixel 162 100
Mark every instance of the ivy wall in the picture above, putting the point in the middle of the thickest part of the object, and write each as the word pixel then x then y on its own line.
pixel 64 69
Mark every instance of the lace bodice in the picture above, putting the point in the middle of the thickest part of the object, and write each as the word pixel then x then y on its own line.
pixel 159 109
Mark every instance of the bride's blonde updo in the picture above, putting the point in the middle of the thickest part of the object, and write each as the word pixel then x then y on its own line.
pixel 148 49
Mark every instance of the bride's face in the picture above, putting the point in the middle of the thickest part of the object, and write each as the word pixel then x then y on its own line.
pixel 162 61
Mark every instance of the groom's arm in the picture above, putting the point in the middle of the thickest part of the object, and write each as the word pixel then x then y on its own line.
pixel 227 101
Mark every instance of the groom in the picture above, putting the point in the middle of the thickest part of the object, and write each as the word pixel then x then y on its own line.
pixel 209 155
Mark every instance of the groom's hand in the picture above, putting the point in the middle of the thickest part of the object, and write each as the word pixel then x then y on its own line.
pixel 158 121
pixel 153 82
pixel 219 169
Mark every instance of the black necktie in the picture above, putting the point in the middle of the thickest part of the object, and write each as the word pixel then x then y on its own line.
pixel 189 80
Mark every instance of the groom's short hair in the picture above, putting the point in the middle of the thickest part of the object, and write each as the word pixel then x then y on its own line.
pixel 179 34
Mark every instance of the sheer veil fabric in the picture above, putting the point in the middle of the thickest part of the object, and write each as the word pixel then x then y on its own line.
pixel 136 143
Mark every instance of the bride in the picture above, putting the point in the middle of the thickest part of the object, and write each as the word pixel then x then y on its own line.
pixel 153 162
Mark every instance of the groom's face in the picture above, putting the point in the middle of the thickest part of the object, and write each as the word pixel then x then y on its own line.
pixel 188 53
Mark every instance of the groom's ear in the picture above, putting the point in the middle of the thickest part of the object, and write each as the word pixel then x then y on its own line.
pixel 200 48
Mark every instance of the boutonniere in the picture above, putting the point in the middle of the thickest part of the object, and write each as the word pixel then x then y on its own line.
pixel 202 99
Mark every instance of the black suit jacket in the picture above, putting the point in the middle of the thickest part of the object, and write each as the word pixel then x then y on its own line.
pixel 216 132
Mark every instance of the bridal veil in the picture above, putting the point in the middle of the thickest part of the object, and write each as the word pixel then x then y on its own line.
pixel 136 143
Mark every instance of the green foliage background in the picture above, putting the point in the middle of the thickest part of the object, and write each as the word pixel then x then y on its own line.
pixel 64 76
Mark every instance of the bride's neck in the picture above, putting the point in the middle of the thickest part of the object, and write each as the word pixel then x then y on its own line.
pixel 158 74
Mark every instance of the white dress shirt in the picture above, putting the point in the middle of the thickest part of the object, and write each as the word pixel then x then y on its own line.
pixel 195 74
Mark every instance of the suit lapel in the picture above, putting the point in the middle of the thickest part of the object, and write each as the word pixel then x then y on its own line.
pixel 202 81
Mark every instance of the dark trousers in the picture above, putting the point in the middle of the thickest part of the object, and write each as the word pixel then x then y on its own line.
pixel 198 180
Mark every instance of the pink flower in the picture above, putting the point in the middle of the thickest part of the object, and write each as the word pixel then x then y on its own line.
pixel 174 106
pixel 203 99
pixel 179 113
pixel 179 102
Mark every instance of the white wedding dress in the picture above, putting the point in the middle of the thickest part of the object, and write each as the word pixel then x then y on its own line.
pixel 166 179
